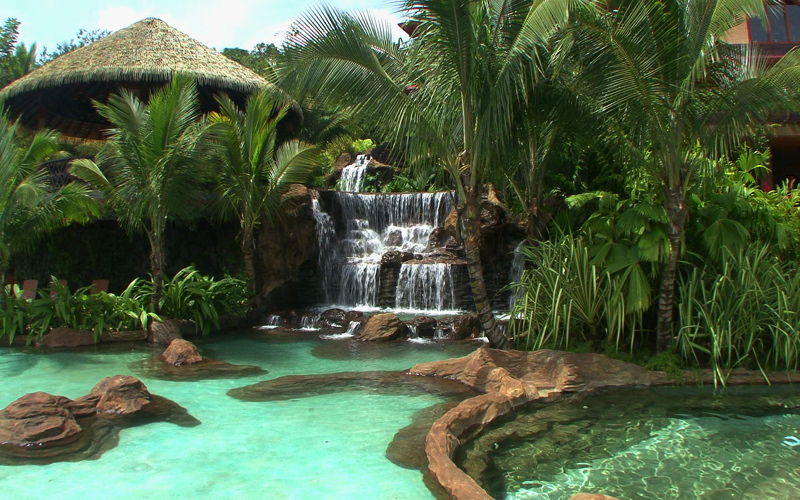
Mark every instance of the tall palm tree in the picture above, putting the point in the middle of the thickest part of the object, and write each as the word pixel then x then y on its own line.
pixel 153 164
pixel 255 171
pixel 21 62
pixel 660 71
pixel 449 96
pixel 29 206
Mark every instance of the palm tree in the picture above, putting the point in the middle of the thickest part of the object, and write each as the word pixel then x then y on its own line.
pixel 21 62
pixel 660 72
pixel 449 96
pixel 29 206
pixel 255 171
pixel 153 163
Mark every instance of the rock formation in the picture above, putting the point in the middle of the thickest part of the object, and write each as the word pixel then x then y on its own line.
pixel 382 327
pixel 43 428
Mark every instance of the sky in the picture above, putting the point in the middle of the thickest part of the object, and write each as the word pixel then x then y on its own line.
pixel 217 23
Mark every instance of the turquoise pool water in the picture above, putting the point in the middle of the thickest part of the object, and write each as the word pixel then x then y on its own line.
pixel 327 446
pixel 670 443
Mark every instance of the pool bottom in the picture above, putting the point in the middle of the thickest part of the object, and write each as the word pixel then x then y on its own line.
pixel 324 446
pixel 669 443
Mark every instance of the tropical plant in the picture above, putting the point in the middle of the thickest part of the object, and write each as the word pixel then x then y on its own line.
pixel 254 170
pixel 661 73
pixel 21 62
pixel 29 206
pixel 564 298
pixel 191 295
pixel 154 162
pixel 449 97
pixel 746 314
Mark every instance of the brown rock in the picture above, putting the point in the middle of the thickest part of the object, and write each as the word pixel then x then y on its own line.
pixel 451 224
pixel 164 332
pixel 66 337
pixel 395 258
pixel 426 326
pixel 124 336
pixel 437 239
pixel 283 247
pixel 464 327
pixel 381 327
pixel 181 352
pixel 120 395
pixel 37 420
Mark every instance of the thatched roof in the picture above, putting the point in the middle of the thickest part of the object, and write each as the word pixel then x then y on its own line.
pixel 143 56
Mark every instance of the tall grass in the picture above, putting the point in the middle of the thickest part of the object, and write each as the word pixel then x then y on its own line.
pixel 744 314
pixel 563 299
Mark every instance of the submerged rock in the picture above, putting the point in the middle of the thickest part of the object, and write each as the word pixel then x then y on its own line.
pixel 44 428
pixel 181 360
pixel 383 382
pixel 383 327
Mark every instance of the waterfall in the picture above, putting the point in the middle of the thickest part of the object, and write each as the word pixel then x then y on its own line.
pixel 326 236
pixel 353 175
pixel 425 287
pixel 357 229
pixel 273 321
pixel 515 274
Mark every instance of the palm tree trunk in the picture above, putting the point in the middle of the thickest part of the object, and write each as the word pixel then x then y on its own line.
pixel 157 259
pixel 470 235
pixel 247 257
pixel 676 210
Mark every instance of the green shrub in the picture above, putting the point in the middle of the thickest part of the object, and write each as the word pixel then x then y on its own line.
pixel 746 314
pixel 191 295
pixel 361 145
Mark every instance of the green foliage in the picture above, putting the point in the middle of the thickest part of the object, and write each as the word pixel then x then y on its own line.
pixel 190 295
pixel 58 307
pixel 29 206
pixel 82 38
pixel 745 313
pixel 564 298
pixel 361 145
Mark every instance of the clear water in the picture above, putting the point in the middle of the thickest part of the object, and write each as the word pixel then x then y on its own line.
pixel 328 446
pixel 665 443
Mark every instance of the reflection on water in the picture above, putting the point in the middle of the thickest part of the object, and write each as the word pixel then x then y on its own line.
pixel 664 443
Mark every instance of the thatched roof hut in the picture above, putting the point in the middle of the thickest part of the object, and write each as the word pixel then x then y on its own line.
pixel 141 57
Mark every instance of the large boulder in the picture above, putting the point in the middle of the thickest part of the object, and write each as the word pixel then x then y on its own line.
pixel 464 327
pixel 382 327
pixel 37 420
pixel 43 428
pixel 164 332
pixel 425 326
pixel 66 337
pixel 181 352
pixel 120 395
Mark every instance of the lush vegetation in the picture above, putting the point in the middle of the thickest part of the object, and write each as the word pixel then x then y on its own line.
pixel 187 295
pixel 627 136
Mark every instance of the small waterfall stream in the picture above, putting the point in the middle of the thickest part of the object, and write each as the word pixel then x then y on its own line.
pixel 515 274
pixel 353 175
pixel 357 230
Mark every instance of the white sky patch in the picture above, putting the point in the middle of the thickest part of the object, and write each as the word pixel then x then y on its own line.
pixel 114 18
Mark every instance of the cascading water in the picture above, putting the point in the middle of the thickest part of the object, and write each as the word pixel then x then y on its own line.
pixel 369 226
pixel 353 175
pixel 425 287
pixel 515 274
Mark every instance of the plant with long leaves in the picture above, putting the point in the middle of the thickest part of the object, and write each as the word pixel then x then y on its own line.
pixel 660 71
pixel 254 170
pixel 30 207
pixel 449 97
pixel 154 162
